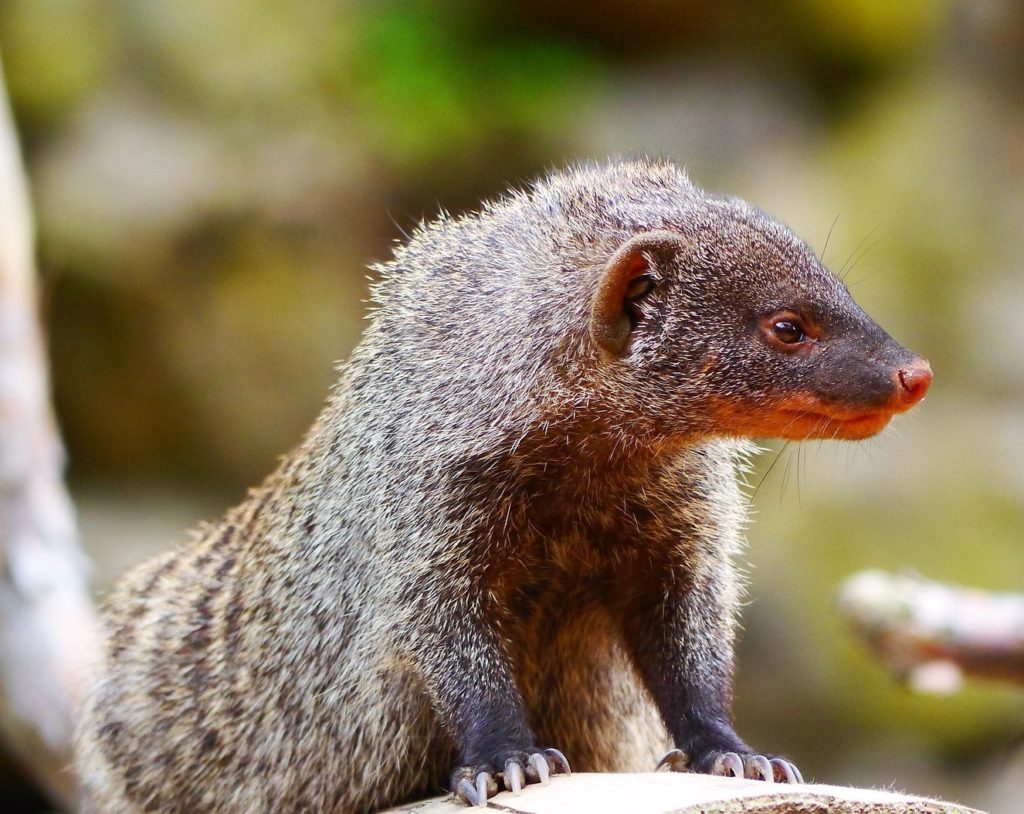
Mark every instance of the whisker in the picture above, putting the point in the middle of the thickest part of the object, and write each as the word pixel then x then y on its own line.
pixel 854 257
pixel 764 477
pixel 828 237
pixel 785 474
pixel 853 282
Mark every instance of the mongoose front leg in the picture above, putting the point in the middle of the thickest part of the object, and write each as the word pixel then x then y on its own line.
pixel 470 679
pixel 681 638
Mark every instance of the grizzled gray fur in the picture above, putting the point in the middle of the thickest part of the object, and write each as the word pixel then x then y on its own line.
pixel 513 526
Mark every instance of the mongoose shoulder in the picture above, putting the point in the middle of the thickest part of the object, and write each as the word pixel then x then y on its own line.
pixel 513 525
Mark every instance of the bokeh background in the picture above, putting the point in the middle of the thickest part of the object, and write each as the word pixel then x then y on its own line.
pixel 211 179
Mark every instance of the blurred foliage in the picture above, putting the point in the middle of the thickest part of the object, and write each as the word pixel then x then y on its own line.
pixel 55 53
pixel 870 29
pixel 211 180
pixel 430 84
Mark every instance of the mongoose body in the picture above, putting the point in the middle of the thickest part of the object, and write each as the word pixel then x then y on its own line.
pixel 512 527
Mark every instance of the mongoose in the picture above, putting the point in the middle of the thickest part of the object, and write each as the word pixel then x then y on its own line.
pixel 508 539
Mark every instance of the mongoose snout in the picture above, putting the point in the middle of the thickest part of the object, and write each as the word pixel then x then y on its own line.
pixel 512 528
pixel 861 414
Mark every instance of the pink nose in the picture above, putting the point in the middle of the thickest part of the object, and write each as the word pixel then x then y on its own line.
pixel 915 379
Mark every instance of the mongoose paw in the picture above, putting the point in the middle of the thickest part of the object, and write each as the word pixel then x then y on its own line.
pixel 734 764
pixel 474 784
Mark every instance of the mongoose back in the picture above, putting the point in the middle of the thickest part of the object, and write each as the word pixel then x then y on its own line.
pixel 509 537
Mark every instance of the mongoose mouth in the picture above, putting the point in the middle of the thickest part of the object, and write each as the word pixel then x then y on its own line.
pixel 801 425
pixel 803 416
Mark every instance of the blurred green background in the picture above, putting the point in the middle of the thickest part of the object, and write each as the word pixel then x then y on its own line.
pixel 211 180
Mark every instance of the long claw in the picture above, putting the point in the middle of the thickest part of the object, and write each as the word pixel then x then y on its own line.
pixel 559 759
pixel 785 772
pixel 515 778
pixel 541 765
pixel 483 780
pixel 465 790
pixel 676 761
pixel 726 763
pixel 758 768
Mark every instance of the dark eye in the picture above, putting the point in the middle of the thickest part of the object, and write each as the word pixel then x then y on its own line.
pixel 788 331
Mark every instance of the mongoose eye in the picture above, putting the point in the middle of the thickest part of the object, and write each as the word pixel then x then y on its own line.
pixel 788 331
pixel 639 286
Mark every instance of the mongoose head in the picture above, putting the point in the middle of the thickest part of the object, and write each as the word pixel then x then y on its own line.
pixel 727 321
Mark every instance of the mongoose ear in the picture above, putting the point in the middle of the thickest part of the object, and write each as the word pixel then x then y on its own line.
pixel 626 278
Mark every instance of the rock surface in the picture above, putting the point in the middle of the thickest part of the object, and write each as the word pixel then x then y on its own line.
pixel 668 793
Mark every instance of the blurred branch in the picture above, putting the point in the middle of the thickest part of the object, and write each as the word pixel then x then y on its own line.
pixel 931 635
pixel 47 622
